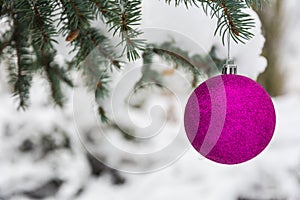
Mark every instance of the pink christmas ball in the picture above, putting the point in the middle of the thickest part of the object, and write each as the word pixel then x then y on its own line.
pixel 229 119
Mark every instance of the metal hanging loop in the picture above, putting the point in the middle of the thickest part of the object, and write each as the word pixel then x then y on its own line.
pixel 230 67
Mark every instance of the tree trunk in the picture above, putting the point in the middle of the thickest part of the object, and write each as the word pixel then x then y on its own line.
pixel 271 18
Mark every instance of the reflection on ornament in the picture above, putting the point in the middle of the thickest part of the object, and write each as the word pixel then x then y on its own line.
pixel 229 119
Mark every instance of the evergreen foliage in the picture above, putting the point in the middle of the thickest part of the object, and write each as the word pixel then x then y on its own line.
pixel 230 14
pixel 197 65
pixel 34 26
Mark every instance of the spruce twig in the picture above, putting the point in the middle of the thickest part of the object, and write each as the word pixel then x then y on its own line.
pixel 230 14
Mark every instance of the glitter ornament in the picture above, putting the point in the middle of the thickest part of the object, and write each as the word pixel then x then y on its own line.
pixel 229 119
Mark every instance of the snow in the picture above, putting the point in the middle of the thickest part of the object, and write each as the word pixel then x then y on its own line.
pixel 150 168
pixel 269 175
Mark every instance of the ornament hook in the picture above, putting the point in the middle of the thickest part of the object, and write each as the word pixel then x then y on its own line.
pixel 229 67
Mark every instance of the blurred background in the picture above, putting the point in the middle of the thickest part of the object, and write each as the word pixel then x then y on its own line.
pixel 52 153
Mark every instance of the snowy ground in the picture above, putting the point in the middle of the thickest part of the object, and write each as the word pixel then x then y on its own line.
pixel 42 156
pixel 273 174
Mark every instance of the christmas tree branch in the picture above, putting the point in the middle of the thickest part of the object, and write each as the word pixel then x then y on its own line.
pixel 230 14
pixel 123 16
pixel 75 15
pixel 197 65
pixel 179 60
pixel 40 16
pixel 33 27
pixel 101 8
pixel 19 72
pixel 97 79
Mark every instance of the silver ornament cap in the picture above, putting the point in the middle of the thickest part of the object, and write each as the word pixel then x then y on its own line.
pixel 230 67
